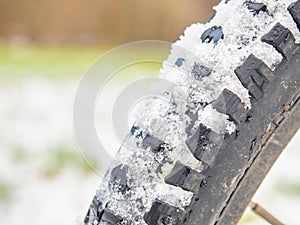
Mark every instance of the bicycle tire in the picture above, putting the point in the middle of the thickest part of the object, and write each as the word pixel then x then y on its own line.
pixel 230 175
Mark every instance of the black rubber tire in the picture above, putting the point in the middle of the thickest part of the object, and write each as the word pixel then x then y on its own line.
pixel 224 189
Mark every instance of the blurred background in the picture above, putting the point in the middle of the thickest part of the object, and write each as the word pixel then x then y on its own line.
pixel 45 49
pixel 97 21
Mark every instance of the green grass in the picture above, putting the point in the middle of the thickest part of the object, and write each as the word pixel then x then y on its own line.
pixel 248 217
pixel 291 188
pixel 62 157
pixel 5 192
pixel 22 61
pixel 55 62
pixel 18 154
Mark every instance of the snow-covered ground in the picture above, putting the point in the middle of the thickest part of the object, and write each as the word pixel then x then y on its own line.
pixel 39 183
pixel 44 180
